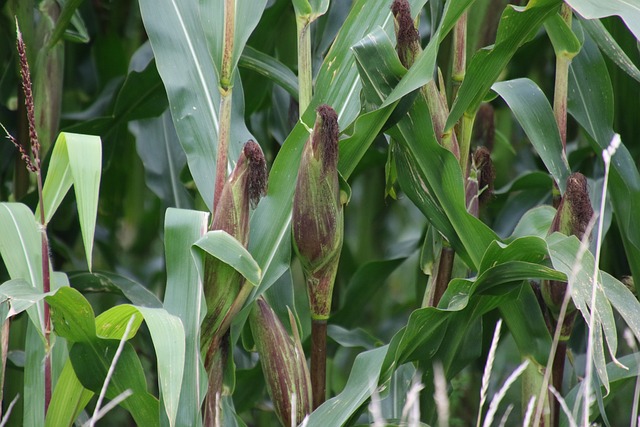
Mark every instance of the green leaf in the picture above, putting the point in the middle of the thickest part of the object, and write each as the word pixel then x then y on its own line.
pixel 610 47
pixel 527 325
pixel 226 248
pixel 337 82
pixel 310 9
pixel 363 381
pixel 270 68
pixel 73 319
pixel 623 300
pixel 163 158
pixel 362 286
pixel 184 61
pixel 504 270
pixel 563 39
pixel 69 398
pixel 625 9
pixel 435 168
pixel 183 298
pixel 112 323
pixel 33 379
pixel 245 16
pixel 77 160
pixel 79 33
pixel 141 95
pixel 563 251
pixel 421 72
pixel 91 361
pixel 536 222
pixel 517 26
pixel 21 251
pixel 619 377
pixel 352 338
pixel 106 282
pixel 531 108
pixel 593 109
pixel 19 295
pixel 432 178
pixel 302 7
pixel 72 316
pixel 168 337
pixel 338 85
pixel 66 14
pixel 527 249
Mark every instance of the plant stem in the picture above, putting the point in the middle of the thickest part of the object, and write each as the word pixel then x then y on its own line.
pixel 4 348
pixel 466 132
pixel 215 360
pixel 442 276
pixel 318 361
pixel 305 79
pixel 459 54
pixel 46 287
pixel 48 81
pixel 556 380
pixel 223 144
pixel 225 87
pixel 563 61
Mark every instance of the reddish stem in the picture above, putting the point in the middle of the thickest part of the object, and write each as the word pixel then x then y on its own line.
pixel 318 361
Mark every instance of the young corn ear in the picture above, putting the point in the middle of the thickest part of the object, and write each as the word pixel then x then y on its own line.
pixel 317 218
pixel 408 39
pixel 572 218
pixel 223 286
pixel 283 363
pixel 481 174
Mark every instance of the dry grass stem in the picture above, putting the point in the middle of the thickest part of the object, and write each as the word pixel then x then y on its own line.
pixel 497 398
pixel 505 416
pixel 110 372
pixel 7 414
pixel 606 157
pixel 563 405
pixel 440 395
pixel 486 376
pixel 529 413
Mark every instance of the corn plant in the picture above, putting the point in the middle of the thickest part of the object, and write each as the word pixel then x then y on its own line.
pixel 319 213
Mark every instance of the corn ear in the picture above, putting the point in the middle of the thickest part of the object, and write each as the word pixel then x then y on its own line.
pixel 283 364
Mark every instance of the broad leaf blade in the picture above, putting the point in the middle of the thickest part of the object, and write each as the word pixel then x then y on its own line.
pixel 609 46
pixel 516 27
pixel 69 398
pixel 226 248
pixel 531 108
pixel 245 16
pixel 85 162
pixel 187 69
pixel 593 109
pixel 629 11
pixel 163 158
pixel 21 250
pixel 363 381
pixel 184 298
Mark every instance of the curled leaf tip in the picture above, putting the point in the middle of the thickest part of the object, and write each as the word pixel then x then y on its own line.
pixel 325 136
pixel 257 182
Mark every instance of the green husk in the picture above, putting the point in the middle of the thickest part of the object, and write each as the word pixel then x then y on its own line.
pixel 317 218
pixel 572 218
